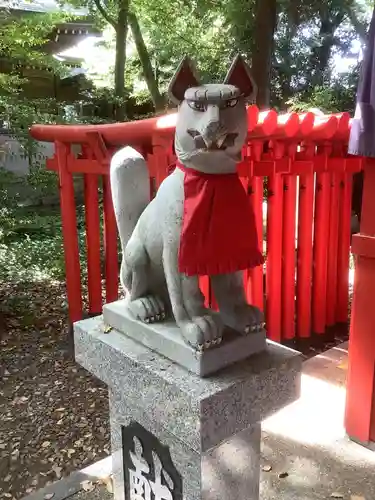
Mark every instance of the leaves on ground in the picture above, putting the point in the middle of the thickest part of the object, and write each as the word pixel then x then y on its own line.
pixel 88 485
pixel 53 414
pixel 108 482
pixel 267 468
pixel 283 475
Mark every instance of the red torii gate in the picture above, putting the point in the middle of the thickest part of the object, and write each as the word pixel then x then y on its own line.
pixel 305 161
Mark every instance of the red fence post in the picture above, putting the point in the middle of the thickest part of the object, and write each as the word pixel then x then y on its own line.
pixel 255 283
pixel 274 256
pixel 345 211
pixel 321 231
pixel 110 243
pixel 101 153
pixel 161 159
pixel 332 251
pixel 92 217
pixel 304 255
pixel 289 257
pixel 70 234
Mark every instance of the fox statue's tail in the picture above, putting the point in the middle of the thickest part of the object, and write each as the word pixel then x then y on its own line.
pixel 130 188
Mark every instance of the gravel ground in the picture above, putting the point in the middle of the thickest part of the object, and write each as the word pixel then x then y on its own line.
pixel 53 414
pixel 98 493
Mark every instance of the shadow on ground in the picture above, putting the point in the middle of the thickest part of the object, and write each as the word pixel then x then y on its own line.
pixel 315 472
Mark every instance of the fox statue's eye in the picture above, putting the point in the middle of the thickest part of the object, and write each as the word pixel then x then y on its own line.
pixel 197 106
pixel 232 103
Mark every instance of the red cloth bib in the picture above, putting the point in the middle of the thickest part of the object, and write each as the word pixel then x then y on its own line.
pixel 218 233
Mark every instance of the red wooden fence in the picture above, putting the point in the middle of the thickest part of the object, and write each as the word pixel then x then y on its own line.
pixel 303 162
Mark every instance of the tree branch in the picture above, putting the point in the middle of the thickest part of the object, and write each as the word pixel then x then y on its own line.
pixel 105 14
pixel 357 24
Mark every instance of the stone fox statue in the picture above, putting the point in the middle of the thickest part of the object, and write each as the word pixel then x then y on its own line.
pixel 199 223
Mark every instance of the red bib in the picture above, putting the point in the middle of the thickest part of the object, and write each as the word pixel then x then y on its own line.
pixel 219 233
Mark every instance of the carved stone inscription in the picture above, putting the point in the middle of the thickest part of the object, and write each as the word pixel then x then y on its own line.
pixel 148 468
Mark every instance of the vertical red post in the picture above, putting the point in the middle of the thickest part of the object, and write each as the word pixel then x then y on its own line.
pixel 289 257
pixel 244 171
pixel 321 231
pixel 110 243
pixel 274 255
pixel 255 283
pixel 333 240
pixel 304 254
pixel 160 158
pixel 360 401
pixel 70 235
pixel 152 167
pixel 92 217
pixel 343 257
pixel 205 286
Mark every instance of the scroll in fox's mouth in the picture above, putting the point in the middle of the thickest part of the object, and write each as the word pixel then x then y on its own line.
pixel 221 143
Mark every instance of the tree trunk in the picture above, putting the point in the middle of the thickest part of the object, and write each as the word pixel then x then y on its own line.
pixel 144 57
pixel 120 62
pixel 263 44
pixel 320 55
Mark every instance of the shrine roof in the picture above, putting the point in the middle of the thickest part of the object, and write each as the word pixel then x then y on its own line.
pixel 43 6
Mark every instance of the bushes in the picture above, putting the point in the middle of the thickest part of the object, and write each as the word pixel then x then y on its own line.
pixel 31 243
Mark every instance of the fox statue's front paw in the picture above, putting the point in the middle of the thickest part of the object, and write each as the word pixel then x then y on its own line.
pixel 202 332
pixel 247 319
pixel 149 309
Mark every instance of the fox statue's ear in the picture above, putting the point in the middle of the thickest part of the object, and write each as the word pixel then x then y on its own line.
pixel 183 79
pixel 239 75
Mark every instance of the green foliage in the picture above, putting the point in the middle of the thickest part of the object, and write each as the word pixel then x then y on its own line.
pixel 21 37
pixel 30 246
pixel 199 29
pixel 31 243
pixel 309 35
pixel 340 96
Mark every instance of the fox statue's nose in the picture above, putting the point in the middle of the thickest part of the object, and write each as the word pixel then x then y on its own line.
pixel 212 129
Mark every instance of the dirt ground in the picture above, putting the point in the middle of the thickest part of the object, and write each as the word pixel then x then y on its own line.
pixel 53 414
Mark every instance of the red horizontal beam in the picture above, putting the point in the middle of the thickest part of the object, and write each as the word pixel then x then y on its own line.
pixel 114 134
pixel 118 134
pixel 283 134
pixel 80 166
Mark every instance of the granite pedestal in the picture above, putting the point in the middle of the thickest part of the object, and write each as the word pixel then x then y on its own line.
pixel 176 436
pixel 165 338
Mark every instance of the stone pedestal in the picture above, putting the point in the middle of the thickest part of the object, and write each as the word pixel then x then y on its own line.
pixel 176 436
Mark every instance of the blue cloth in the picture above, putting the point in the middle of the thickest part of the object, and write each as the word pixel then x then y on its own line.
pixel 362 135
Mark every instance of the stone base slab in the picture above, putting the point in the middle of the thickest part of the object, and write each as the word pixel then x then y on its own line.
pixel 165 339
